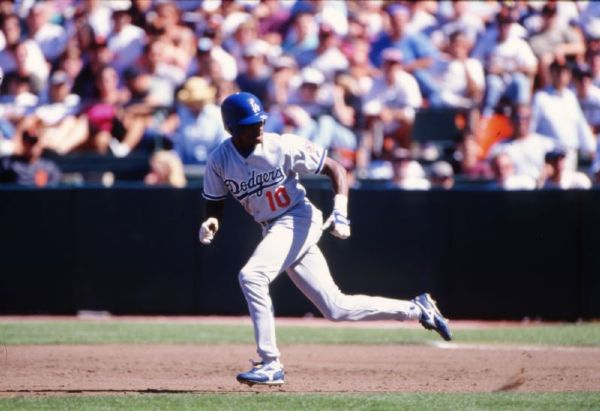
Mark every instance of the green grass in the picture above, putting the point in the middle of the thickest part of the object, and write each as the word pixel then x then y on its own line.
pixel 84 332
pixel 285 401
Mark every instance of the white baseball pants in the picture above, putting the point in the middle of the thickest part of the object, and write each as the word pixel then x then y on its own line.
pixel 290 244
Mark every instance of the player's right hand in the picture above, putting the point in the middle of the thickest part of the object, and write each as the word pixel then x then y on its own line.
pixel 208 229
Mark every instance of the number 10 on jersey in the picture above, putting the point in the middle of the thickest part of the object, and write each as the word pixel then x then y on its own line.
pixel 278 198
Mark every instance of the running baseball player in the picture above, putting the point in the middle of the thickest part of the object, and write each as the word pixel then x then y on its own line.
pixel 261 171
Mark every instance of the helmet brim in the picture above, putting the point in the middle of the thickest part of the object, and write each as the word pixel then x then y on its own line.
pixel 253 119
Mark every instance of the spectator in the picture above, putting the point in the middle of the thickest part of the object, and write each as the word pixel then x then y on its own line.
pixel 360 67
pixel 505 177
pixel 588 95
pixel 441 175
pixel 556 114
pixel 417 50
pixel 22 56
pixel 272 20
pixel 18 102
pixel 256 77
pixel 391 103
pixel 496 15
pixel 302 36
pixel 326 57
pixel 557 176
pixel 140 11
pixel 60 129
pixel 280 87
pixel 458 80
pixel 461 20
pixel 309 113
pixel 26 166
pixel 51 38
pixel 98 15
pixel 526 149
pixel 468 158
pixel 369 14
pixel 103 115
pixel 510 67
pixel 243 35
pixel 423 16
pixel 212 61
pixel 554 41
pixel 71 61
pixel 197 123
pixel 408 173
pixel 166 169
pixel 147 108
pixel 85 86
pixel 126 41
pixel 161 66
pixel 178 41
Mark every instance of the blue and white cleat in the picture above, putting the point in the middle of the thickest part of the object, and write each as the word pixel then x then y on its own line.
pixel 270 374
pixel 431 318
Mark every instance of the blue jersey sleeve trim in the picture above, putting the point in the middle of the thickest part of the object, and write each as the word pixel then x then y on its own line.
pixel 321 163
pixel 213 198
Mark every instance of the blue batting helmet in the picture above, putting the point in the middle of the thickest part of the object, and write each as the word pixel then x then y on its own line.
pixel 242 109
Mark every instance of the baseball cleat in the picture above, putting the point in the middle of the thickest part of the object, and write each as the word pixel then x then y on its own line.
pixel 270 374
pixel 431 318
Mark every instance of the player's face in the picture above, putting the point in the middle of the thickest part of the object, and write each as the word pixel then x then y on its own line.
pixel 251 135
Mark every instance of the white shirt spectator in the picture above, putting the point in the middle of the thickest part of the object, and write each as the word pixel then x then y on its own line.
pixel 590 19
pixel 330 62
pixel 451 77
pixel 52 113
pixel 489 40
pixel 570 180
pixel 527 154
pixel 559 116
pixel 127 46
pixel 100 20
pixel 35 63
pixel 227 63
pixel 420 21
pixel 512 54
pixel 335 13
pixel 404 93
pixel 52 40
pixel 518 182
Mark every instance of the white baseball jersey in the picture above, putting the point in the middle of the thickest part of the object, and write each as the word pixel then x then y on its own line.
pixel 266 182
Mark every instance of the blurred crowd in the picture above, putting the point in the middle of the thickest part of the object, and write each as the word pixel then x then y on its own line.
pixel 519 79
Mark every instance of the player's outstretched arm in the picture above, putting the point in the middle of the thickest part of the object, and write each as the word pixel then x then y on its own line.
pixel 338 220
pixel 213 213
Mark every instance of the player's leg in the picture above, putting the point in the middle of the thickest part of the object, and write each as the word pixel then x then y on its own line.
pixel 311 275
pixel 283 244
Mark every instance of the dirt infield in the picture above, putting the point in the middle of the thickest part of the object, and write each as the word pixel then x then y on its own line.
pixel 116 369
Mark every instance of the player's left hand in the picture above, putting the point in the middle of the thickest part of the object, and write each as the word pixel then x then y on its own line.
pixel 338 224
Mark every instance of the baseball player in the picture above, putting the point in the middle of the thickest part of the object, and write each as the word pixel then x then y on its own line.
pixel 261 171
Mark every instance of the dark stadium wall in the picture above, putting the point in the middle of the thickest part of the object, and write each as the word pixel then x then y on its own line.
pixel 482 254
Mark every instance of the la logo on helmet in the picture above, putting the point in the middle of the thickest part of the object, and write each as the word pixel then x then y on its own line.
pixel 254 106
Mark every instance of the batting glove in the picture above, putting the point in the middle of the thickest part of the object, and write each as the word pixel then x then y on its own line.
pixel 338 222
pixel 208 229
